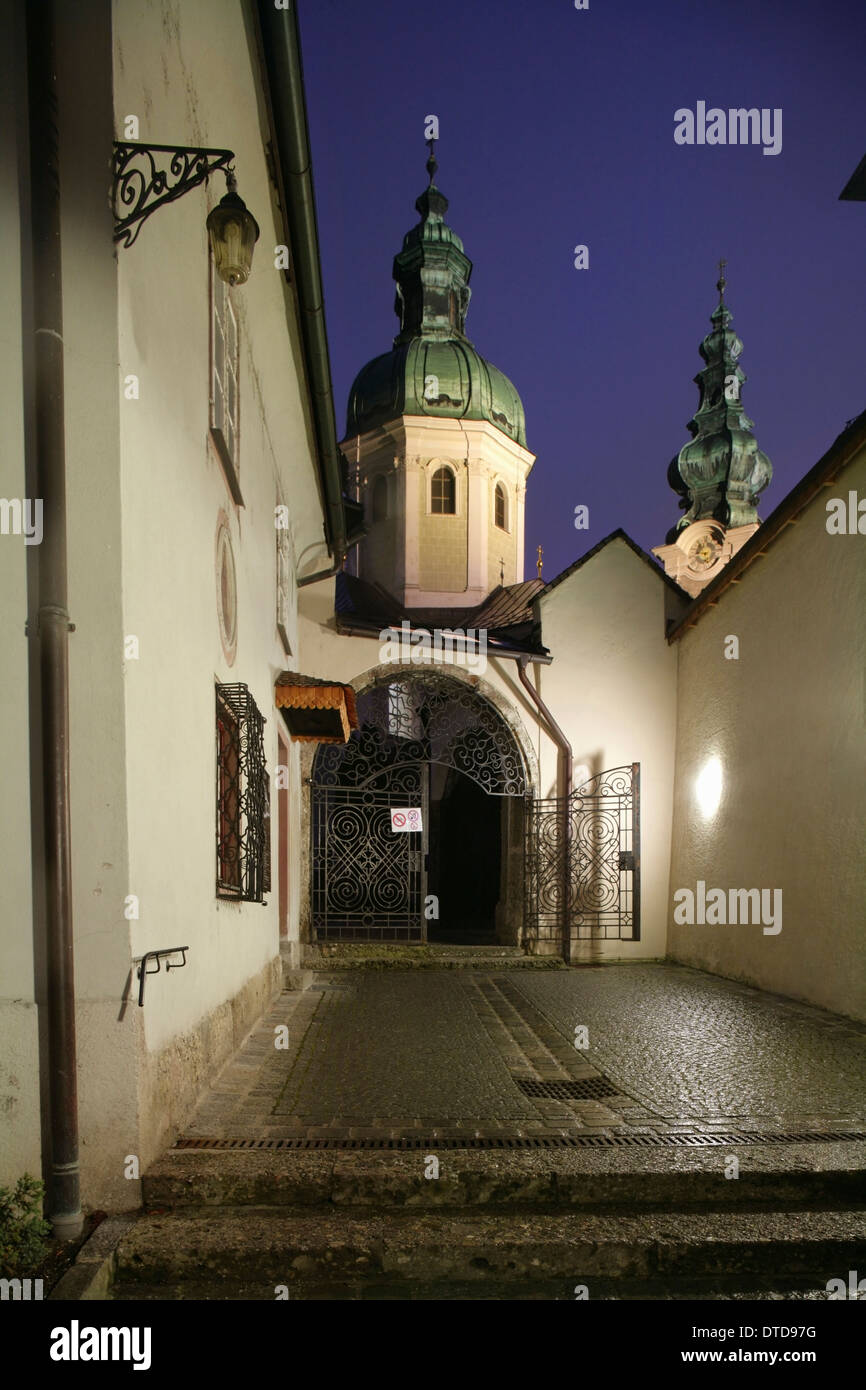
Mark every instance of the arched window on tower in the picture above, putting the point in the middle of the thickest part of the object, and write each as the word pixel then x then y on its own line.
pixel 500 509
pixel 380 498
pixel 443 494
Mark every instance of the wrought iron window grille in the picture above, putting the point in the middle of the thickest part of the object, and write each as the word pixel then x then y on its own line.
pixel 243 826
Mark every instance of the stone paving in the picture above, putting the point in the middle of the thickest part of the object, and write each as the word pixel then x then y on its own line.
pixel 396 1053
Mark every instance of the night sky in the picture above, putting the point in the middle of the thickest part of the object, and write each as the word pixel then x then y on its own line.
pixel 557 128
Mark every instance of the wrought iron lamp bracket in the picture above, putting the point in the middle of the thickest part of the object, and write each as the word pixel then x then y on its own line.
pixel 142 183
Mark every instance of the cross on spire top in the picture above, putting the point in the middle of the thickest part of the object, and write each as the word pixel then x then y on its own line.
pixel 721 282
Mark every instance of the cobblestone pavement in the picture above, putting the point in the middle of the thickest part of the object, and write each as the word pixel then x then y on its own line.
pixel 373 1053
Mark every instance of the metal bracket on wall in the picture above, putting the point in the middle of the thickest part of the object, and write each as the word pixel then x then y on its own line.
pixel 143 971
pixel 141 185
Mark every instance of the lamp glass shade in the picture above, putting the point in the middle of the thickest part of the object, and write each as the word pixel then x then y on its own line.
pixel 233 234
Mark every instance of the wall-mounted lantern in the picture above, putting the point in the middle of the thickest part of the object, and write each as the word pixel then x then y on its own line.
pixel 233 233
pixel 147 176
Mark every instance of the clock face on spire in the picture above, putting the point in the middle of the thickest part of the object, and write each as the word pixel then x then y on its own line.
pixel 703 553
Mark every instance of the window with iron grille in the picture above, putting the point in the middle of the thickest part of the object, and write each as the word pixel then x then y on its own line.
pixel 224 373
pixel 243 828
pixel 443 493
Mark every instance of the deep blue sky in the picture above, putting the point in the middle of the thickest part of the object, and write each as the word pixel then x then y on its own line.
pixel 556 128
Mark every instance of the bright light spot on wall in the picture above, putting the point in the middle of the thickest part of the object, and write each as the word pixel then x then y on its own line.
pixel 708 787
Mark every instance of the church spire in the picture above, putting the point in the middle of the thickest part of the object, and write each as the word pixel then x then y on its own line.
pixel 431 271
pixel 721 472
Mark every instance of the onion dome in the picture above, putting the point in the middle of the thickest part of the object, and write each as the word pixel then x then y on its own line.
pixel 721 472
pixel 433 369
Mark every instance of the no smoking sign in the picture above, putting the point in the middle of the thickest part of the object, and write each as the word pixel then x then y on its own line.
pixel 406 821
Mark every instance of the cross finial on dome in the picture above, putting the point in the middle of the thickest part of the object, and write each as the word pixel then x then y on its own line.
pixel 432 166
pixel 721 282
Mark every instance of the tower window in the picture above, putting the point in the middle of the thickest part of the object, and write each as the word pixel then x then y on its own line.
pixel 500 513
pixel 443 496
pixel 380 498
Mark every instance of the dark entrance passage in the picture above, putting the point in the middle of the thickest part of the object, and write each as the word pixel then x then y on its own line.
pixel 465 859
pixel 431 744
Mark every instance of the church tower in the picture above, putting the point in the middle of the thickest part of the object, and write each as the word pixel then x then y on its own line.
pixel 437 438
pixel 721 472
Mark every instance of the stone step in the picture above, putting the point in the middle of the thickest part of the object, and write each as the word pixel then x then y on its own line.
pixel 262 1248
pixel 481 1290
pixel 327 951
pixel 424 957
pixel 589 1179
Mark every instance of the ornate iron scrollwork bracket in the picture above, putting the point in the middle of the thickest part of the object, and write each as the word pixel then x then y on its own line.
pixel 141 185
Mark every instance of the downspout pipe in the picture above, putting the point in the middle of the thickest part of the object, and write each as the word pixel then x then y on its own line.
pixel 282 55
pixel 568 768
pixel 560 738
pixel 64 1202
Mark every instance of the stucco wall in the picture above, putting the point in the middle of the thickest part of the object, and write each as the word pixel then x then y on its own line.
pixel 612 688
pixel 189 77
pixel 786 722
pixel 19 1053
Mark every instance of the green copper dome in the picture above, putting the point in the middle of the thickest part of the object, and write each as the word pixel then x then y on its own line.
pixel 433 369
pixel 721 472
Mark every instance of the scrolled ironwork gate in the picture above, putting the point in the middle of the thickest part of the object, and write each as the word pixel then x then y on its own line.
pixel 368 883
pixel 582 875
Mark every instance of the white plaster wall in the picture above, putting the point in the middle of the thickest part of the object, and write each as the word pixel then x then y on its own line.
pixel 186 71
pixel 612 689
pixel 786 721
pixel 19 1054
pixel 107 1036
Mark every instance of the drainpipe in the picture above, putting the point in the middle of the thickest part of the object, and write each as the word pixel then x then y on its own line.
pixel 282 61
pixel 568 766
pixel 64 1202
pixel 321 574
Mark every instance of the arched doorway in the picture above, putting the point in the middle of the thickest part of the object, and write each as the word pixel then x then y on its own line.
pixel 465 865
pixel 434 744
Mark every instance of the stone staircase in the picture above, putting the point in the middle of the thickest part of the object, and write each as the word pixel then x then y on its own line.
pixel 342 1222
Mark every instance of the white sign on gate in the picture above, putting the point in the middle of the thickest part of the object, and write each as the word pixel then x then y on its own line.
pixel 406 821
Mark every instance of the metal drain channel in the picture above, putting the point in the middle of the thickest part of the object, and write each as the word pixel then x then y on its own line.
pixel 552 1141
pixel 591 1088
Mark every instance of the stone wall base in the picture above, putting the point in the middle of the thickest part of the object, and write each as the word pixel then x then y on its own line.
pixel 172 1080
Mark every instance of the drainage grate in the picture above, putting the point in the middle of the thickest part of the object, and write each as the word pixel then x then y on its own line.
pixel 591 1088
pixel 541 1141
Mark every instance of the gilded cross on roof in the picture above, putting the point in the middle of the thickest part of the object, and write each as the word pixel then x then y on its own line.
pixel 540 561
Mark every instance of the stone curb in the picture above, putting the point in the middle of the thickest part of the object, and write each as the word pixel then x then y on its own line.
pixel 92 1275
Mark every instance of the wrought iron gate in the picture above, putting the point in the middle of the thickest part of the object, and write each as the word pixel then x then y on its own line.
pixel 368 882
pixel 582 878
